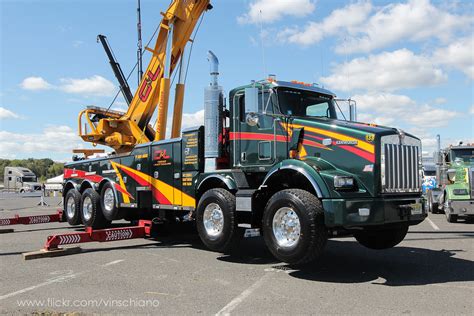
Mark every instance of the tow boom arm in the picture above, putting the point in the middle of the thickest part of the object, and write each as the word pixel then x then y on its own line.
pixel 123 131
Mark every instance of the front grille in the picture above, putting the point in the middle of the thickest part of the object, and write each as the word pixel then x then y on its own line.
pixel 400 166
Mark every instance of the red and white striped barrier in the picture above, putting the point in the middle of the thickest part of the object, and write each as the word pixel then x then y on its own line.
pixel 31 220
pixel 101 235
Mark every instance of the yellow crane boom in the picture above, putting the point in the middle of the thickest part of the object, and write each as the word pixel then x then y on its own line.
pixel 122 131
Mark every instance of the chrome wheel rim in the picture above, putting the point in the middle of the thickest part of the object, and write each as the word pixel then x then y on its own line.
pixel 286 227
pixel 87 208
pixel 70 207
pixel 213 219
pixel 109 199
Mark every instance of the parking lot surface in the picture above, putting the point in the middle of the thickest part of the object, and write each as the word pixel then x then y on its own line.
pixel 430 272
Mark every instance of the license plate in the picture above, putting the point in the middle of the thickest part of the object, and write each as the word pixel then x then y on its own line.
pixel 415 209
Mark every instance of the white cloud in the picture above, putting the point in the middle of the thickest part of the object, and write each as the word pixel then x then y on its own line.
pixel 393 109
pixel 346 18
pixel 7 114
pixel 414 20
pixel 35 83
pixel 471 110
pixel 267 11
pixel 459 55
pixel 53 139
pixel 365 28
pixel 189 120
pixel 387 71
pixel 95 85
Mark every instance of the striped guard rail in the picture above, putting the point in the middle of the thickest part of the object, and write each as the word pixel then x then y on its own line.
pixel 31 220
pixel 100 235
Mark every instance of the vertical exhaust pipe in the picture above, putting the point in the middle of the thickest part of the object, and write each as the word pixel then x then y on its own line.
pixel 213 115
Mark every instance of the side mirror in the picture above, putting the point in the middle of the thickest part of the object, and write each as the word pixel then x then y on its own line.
pixel 451 174
pixel 251 100
pixel 251 119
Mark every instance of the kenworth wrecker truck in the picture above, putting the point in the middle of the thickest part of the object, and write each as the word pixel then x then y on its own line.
pixel 454 193
pixel 274 158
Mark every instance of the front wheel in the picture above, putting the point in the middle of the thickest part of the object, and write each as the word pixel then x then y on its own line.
pixel 216 222
pixel 293 226
pixel 382 239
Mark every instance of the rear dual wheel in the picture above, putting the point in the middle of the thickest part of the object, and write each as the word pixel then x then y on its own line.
pixel 91 210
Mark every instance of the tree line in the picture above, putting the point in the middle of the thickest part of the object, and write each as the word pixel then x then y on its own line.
pixel 43 168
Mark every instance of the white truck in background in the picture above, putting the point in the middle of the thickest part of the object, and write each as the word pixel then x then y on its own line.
pixel 20 179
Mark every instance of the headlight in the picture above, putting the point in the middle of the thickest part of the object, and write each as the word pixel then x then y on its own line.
pixel 460 192
pixel 343 182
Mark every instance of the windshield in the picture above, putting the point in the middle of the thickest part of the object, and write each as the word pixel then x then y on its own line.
pixel 466 154
pixel 305 103
pixel 28 179
pixel 430 173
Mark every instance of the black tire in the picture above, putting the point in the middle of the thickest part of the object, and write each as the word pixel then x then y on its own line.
pixel 452 218
pixel 382 239
pixel 110 212
pixel 96 218
pixel 432 208
pixel 227 238
pixel 313 233
pixel 72 207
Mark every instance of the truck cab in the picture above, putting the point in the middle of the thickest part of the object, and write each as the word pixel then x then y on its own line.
pixel 455 174
pixel 19 179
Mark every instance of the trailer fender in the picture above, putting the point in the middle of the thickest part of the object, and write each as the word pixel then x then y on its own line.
pixel 301 168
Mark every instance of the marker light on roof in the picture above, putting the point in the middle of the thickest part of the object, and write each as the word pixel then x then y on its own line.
pixel 302 83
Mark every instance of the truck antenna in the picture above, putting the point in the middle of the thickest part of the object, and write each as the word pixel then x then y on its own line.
pixel 139 44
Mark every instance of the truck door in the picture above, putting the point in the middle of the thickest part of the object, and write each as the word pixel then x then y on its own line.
pixel 254 129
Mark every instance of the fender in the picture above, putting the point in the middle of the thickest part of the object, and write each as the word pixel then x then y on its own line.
pixel 117 195
pixel 306 170
pixel 92 184
pixel 228 181
pixel 70 183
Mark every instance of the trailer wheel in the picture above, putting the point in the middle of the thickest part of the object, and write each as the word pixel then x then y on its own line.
pixel 108 202
pixel 382 239
pixel 215 220
pixel 293 226
pixel 72 207
pixel 91 210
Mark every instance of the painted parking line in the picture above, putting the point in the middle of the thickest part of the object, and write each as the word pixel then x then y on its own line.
pixel 242 296
pixel 112 263
pixel 63 278
pixel 435 227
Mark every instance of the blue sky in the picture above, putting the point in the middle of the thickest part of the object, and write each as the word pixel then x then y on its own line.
pixel 408 64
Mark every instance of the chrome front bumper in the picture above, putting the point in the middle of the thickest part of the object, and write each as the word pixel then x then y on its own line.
pixel 465 207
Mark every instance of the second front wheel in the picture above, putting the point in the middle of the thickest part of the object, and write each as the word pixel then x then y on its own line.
pixel 293 226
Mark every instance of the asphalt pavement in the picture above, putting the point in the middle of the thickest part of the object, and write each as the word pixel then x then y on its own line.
pixel 430 272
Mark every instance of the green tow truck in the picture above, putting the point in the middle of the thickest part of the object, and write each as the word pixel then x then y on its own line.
pixel 455 178
pixel 277 160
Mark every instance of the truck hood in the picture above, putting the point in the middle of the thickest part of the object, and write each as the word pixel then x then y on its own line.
pixel 349 147
pixel 350 126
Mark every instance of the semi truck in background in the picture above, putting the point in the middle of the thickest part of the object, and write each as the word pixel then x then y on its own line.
pixel 454 193
pixel 275 158
pixel 19 179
